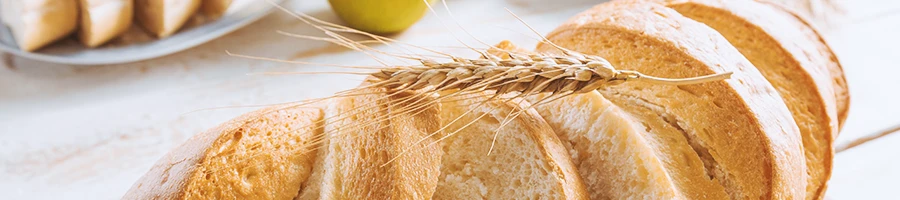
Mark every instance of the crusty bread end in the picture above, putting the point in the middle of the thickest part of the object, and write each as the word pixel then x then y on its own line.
pixel 265 154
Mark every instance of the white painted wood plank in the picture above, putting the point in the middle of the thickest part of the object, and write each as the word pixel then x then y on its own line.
pixel 869 171
pixel 866 42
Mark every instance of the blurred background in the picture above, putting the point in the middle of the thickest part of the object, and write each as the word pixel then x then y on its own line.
pixel 73 132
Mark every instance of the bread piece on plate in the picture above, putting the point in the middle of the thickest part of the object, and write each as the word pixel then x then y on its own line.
pixel 267 154
pixel 527 161
pixel 162 18
pixel 740 129
pixel 36 23
pixel 793 59
pixel 103 20
pixel 214 8
pixel 363 133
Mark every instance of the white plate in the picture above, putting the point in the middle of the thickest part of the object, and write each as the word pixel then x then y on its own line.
pixel 71 52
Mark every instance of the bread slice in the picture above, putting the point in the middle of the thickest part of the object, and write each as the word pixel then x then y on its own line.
pixel 36 23
pixel 527 161
pixel 355 159
pixel 162 18
pixel 790 58
pixel 103 20
pixel 214 8
pixel 266 154
pixel 824 56
pixel 739 128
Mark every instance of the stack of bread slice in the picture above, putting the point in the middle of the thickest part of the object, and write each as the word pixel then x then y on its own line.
pixel 765 133
pixel 37 23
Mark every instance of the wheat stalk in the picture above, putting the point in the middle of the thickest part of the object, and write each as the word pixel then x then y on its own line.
pixel 525 74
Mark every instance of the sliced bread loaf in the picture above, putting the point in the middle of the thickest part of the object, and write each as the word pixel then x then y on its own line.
pixel 261 155
pixel 739 129
pixel 791 59
pixel 527 161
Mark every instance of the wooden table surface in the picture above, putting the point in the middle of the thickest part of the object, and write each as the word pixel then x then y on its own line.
pixel 77 132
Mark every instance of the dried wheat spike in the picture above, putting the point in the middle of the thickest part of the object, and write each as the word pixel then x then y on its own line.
pixel 572 73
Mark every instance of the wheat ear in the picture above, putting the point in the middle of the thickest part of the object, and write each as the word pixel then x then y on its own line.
pixel 523 74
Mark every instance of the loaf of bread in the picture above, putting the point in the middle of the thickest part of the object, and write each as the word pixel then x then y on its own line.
pixel 739 129
pixel 764 133
pixel 103 20
pixel 164 17
pixel 265 154
pixel 792 59
pixel 36 23
pixel 527 160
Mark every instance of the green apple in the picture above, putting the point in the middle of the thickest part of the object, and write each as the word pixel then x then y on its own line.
pixel 380 16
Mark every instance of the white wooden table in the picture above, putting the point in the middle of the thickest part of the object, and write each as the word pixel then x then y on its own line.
pixel 75 132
